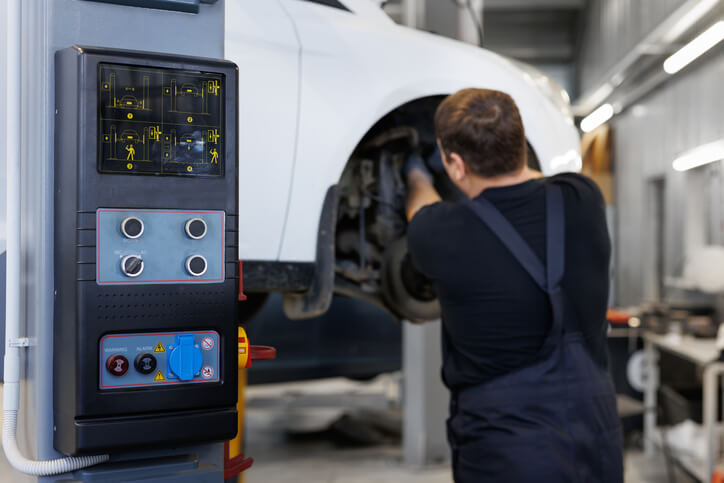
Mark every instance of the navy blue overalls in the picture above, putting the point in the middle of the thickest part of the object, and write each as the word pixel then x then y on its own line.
pixel 555 420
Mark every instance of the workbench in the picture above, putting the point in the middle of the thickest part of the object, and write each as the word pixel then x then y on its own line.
pixel 704 354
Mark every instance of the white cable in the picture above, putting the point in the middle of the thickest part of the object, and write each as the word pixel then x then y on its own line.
pixel 39 468
pixel 11 377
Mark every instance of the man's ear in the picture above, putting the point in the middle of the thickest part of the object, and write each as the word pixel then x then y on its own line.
pixel 459 168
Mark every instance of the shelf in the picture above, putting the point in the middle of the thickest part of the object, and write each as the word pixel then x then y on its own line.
pixel 696 350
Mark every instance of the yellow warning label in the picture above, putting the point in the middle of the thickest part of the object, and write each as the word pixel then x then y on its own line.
pixel 159 376
pixel 159 348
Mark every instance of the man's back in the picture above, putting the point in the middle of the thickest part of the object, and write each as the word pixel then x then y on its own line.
pixel 494 316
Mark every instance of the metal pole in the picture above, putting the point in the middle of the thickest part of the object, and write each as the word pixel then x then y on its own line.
pixel 413 13
pixel 470 21
pixel 710 394
pixel 425 399
pixel 652 384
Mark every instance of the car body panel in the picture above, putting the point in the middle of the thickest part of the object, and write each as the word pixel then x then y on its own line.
pixel 356 67
pixel 261 39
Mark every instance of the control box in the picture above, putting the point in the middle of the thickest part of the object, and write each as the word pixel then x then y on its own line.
pixel 146 272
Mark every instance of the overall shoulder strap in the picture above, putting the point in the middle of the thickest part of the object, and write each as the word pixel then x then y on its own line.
pixel 548 278
pixel 555 236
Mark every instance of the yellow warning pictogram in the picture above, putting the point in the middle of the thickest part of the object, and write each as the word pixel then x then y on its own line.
pixel 159 376
pixel 159 348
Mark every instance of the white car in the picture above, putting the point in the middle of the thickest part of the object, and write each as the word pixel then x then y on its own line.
pixel 333 95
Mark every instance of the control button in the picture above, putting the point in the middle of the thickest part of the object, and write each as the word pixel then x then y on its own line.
pixel 196 228
pixel 145 363
pixel 117 365
pixel 196 265
pixel 132 227
pixel 132 265
pixel 184 360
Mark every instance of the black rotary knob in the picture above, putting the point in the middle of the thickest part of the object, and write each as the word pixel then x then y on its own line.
pixel 145 363
pixel 132 266
pixel 132 227
pixel 196 265
pixel 196 228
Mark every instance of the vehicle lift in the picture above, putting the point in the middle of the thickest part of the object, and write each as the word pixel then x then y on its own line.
pixel 134 361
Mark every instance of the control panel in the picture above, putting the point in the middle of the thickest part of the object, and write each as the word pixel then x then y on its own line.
pixel 159 246
pixel 146 269
pixel 144 360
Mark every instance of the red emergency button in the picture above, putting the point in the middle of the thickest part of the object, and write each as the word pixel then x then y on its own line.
pixel 117 365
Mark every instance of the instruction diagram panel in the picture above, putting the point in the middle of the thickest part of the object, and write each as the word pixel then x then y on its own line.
pixel 160 121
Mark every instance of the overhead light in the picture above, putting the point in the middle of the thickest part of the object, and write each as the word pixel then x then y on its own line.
pixel 705 154
pixel 694 49
pixel 597 117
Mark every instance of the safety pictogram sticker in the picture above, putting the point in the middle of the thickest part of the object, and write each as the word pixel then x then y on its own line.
pixel 159 347
pixel 207 343
pixel 207 372
pixel 159 376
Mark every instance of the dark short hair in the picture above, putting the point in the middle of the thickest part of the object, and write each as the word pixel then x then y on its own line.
pixel 484 128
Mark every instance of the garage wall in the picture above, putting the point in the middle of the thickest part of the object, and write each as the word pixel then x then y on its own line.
pixel 613 27
pixel 648 137
pixel 663 216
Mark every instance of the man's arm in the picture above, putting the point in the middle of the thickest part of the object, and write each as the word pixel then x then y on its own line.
pixel 420 192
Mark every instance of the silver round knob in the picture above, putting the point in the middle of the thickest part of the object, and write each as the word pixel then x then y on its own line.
pixel 132 265
pixel 196 265
pixel 132 227
pixel 196 228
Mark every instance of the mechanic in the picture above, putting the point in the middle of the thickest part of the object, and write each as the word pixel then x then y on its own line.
pixel 521 268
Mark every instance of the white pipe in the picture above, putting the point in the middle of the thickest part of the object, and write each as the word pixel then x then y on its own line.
pixel 11 377
pixel 39 468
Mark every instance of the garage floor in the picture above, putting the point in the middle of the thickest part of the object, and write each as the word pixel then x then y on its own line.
pixel 274 438
pixel 288 435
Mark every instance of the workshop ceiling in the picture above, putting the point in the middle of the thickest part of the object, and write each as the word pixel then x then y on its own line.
pixel 534 31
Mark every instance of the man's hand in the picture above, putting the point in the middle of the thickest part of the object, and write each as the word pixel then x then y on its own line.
pixel 414 162
pixel 420 191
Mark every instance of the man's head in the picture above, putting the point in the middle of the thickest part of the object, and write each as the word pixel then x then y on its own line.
pixel 481 134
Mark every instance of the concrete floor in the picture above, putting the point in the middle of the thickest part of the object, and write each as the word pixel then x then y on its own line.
pixel 290 441
pixel 287 435
pixel 282 455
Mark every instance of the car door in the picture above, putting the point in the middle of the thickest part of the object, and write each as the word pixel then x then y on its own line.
pixel 260 38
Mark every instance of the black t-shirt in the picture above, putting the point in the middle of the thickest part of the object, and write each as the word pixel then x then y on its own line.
pixel 494 316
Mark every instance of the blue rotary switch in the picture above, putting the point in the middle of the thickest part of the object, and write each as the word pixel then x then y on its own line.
pixel 185 358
